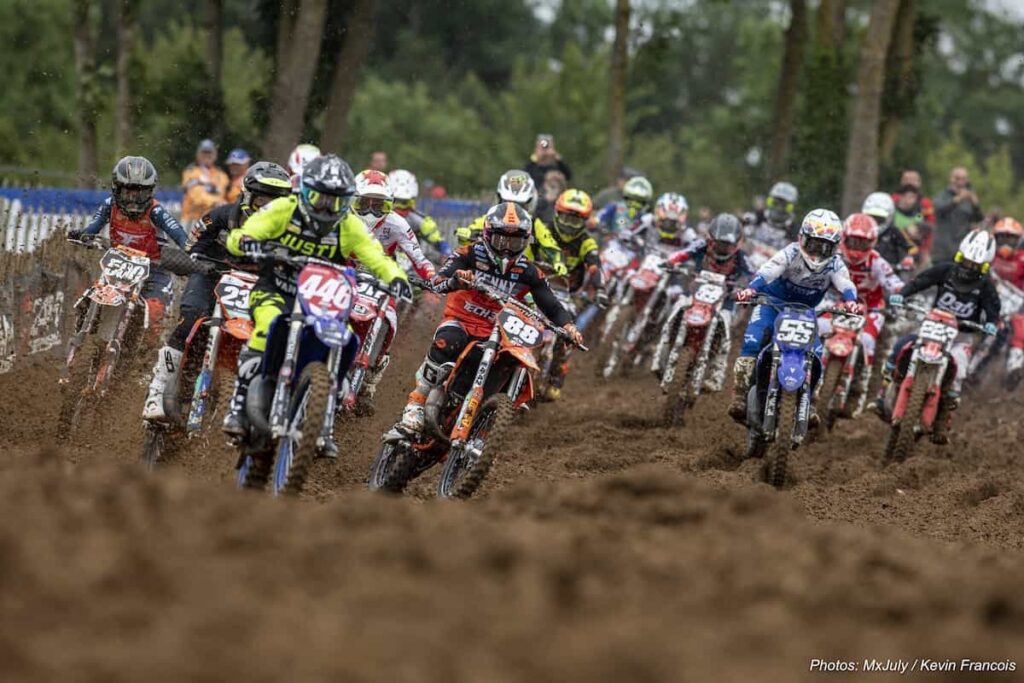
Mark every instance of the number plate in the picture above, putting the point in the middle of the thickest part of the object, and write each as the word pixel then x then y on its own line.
pixel 795 332
pixel 518 331
pixel 232 292
pixel 936 331
pixel 709 293
pixel 616 256
pixel 325 291
pixel 119 268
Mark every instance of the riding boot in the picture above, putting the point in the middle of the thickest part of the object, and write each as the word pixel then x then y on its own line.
pixel 165 372
pixel 429 376
pixel 236 423
pixel 944 417
pixel 743 373
pixel 364 402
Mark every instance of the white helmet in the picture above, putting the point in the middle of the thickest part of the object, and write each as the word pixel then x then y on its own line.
pixel 517 186
pixel 404 185
pixel 974 257
pixel 820 234
pixel 879 205
pixel 373 194
pixel 301 156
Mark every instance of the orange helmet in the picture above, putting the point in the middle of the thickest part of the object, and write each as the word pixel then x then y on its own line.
pixel 572 211
pixel 860 235
pixel 1008 233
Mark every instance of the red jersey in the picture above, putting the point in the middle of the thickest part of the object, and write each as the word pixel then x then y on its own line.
pixel 1011 269
pixel 874 278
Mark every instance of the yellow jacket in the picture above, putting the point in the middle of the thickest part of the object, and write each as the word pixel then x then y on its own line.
pixel 204 188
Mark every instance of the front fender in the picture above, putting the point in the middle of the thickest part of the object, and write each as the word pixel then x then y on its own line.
pixel 792 371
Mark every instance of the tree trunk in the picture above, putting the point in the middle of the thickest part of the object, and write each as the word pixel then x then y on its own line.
pixel 901 79
pixel 785 95
pixel 285 25
pixel 617 92
pixel 125 43
pixel 862 152
pixel 830 23
pixel 85 73
pixel 351 57
pixel 296 66
pixel 213 22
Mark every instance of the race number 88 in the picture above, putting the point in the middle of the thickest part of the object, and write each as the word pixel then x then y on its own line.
pixel 515 327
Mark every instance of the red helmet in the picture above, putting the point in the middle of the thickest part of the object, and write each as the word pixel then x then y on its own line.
pixel 1008 233
pixel 860 235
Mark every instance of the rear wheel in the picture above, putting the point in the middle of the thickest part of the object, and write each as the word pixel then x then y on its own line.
pixel 680 389
pixel 297 449
pixel 466 467
pixel 903 437
pixel 778 451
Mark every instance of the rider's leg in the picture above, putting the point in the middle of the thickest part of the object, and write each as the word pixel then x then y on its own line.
pixel 449 341
pixel 264 305
pixel 950 399
pixel 559 370
pixel 761 323
pixel 196 302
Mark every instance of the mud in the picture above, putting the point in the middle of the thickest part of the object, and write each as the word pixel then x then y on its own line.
pixel 607 549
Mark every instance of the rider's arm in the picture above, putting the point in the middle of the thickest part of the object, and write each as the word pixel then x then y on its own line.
pixel 357 242
pixel 468 233
pixel 408 243
pixel 170 226
pixel 990 303
pixel 266 224
pixel 695 248
pixel 459 260
pixel 770 271
pixel 883 273
pixel 100 218
pixel 547 248
pixel 929 277
pixel 546 300
pixel 432 234
pixel 842 282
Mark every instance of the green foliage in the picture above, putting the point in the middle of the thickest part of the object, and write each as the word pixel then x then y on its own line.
pixel 992 176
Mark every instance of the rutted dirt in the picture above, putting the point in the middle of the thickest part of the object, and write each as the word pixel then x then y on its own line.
pixel 609 549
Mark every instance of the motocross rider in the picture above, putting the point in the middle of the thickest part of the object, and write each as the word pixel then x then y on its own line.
pixel 669 222
pixel 801 273
pixel 963 288
pixel 630 217
pixel 875 279
pixel 517 186
pixel 263 182
pixel 1009 266
pixel 496 259
pixel 719 253
pixel 894 245
pixel 373 204
pixel 135 217
pixel 572 211
pixel 315 221
pixel 406 191
pixel 772 227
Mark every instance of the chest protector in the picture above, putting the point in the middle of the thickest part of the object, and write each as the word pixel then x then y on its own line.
pixel 136 233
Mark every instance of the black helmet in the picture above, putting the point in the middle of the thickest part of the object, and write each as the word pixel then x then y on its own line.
pixel 326 190
pixel 263 182
pixel 724 236
pixel 508 229
pixel 134 180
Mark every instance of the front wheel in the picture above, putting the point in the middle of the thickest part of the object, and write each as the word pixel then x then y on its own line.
pixel 466 467
pixel 610 358
pixel 827 407
pixel 74 399
pixel 903 435
pixel 778 451
pixel 680 389
pixel 393 468
pixel 297 449
pixel 156 444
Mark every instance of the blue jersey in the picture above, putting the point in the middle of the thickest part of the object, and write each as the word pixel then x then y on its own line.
pixel 786 278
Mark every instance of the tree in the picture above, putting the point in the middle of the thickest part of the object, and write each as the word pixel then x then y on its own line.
pixel 785 97
pixel 126 24
pixel 298 50
pixel 862 154
pixel 351 57
pixel 85 74
pixel 901 82
pixel 213 22
pixel 617 92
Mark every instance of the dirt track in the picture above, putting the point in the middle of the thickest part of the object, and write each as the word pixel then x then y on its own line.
pixel 609 550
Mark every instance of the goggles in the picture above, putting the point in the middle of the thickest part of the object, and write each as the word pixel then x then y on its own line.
pixel 328 204
pixel 503 243
pixel 858 244
pixel 570 220
pixel 780 205
pixel 377 206
pixel 819 248
pixel 405 204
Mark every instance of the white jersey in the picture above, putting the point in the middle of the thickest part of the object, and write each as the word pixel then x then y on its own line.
pixel 787 277
pixel 394 233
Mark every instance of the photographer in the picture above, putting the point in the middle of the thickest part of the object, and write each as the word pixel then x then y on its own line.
pixel 956 210
pixel 545 158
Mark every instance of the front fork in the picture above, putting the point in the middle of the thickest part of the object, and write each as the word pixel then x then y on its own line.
pixel 113 350
pixel 640 324
pixel 334 357
pixel 362 362
pixel 769 424
pixel 204 382
pixel 475 395
pixel 75 343
pixel 286 375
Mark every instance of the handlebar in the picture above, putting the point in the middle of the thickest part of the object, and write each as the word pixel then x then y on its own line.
pixel 969 324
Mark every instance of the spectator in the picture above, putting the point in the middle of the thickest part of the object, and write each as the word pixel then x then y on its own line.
pixel 704 217
pixel 909 217
pixel 956 210
pixel 238 163
pixel 554 185
pixel 205 186
pixel 545 158
pixel 379 161
pixel 910 178
pixel 610 195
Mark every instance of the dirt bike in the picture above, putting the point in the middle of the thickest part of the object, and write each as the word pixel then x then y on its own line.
pixel 292 400
pixel 1011 300
pixel 220 336
pixel 639 311
pixel 778 403
pixel 619 259
pixel 468 417
pixel 693 332
pixel 546 356
pixel 111 317
pixel 842 367
pixel 374 319
pixel 922 371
